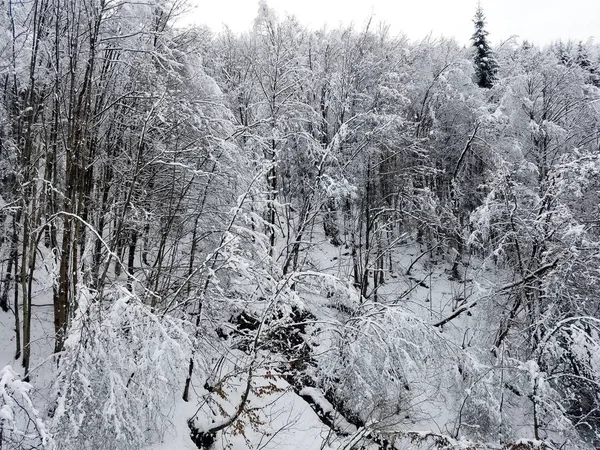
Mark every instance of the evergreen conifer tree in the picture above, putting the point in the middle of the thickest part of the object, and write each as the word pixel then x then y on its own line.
pixel 564 53
pixel 486 66
pixel 583 60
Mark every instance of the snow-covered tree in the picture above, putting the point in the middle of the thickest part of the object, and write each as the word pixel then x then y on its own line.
pixel 486 67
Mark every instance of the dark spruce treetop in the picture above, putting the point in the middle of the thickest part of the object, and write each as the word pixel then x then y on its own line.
pixel 486 66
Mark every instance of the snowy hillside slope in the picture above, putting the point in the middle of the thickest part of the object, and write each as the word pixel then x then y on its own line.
pixel 438 379
pixel 425 359
pixel 411 371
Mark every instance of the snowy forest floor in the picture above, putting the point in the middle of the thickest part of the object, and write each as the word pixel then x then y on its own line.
pixel 420 284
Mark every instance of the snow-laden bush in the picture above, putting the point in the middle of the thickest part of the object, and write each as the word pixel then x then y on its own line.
pixel 384 364
pixel 120 373
pixel 20 424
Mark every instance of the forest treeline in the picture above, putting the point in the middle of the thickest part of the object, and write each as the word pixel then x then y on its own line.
pixel 170 187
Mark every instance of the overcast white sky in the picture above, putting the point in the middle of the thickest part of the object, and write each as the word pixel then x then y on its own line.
pixel 539 21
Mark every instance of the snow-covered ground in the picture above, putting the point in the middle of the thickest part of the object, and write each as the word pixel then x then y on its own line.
pixel 279 418
pixel 287 421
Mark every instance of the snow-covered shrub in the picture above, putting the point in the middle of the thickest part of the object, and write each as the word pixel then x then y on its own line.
pixel 121 371
pixel 20 424
pixel 384 364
